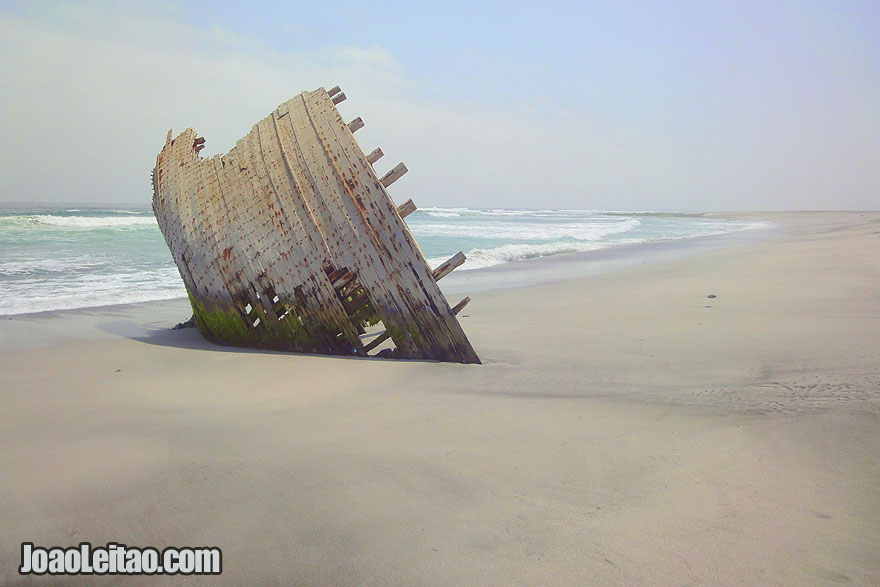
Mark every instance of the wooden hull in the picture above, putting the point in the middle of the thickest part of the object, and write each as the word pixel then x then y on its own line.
pixel 290 241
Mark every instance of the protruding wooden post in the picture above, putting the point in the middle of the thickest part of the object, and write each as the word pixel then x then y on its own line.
pixel 394 174
pixel 356 124
pixel 460 305
pixel 338 98
pixel 406 208
pixel 333 91
pixel 375 155
pixel 446 268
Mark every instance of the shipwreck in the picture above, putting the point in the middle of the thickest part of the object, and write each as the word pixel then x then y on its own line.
pixel 290 241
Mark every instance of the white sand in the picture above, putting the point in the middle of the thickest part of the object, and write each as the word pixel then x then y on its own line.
pixel 619 432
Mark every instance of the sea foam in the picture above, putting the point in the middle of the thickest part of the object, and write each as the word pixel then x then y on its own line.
pixel 80 256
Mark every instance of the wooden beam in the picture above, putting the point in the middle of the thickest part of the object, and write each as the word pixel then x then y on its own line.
pixel 337 273
pixel 333 91
pixel 393 175
pixel 460 305
pixel 377 341
pixel 344 282
pixel 338 98
pixel 446 268
pixel 356 124
pixel 356 303
pixel 339 276
pixel 386 335
pixel 375 155
pixel 406 208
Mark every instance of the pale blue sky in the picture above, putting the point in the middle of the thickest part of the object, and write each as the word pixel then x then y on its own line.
pixel 639 105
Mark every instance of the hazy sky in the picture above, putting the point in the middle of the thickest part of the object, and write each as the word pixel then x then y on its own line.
pixel 617 105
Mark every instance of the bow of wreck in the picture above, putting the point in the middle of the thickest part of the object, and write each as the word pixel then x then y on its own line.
pixel 290 241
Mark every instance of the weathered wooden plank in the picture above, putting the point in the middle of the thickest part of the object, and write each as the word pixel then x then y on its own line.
pixel 460 305
pixel 397 237
pixel 448 266
pixel 344 281
pixel 375 155
pixel 307 196
pixel 354 246
pixel 406 208
pixel 329 211
pixel 356 124
pixel 393 175
pixel 385 335
pixel 399 310
pixel 440 334
pixel 377 341
pixel 333 91
pixel 338 98
pixel 281 181
pixel 171 207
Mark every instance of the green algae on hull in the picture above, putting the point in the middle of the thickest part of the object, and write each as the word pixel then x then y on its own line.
pixel 229 326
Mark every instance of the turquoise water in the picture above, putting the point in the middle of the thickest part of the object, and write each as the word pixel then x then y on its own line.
pixel 75 256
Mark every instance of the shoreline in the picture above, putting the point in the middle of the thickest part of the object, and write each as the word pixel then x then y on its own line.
pixel 612 259
pixel 518 272
pixel 523 273
pixel 624 428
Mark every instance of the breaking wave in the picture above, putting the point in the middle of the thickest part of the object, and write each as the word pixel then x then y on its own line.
pixel 480 258
pixel 523 230
pixel 79 221
pixel 73 256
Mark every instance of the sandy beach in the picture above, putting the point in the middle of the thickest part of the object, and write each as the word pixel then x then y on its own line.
pixel 625 428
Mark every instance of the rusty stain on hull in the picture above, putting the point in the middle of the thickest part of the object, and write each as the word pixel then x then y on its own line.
pixel 290 241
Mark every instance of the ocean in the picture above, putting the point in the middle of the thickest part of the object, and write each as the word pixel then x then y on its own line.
pixel 58 257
